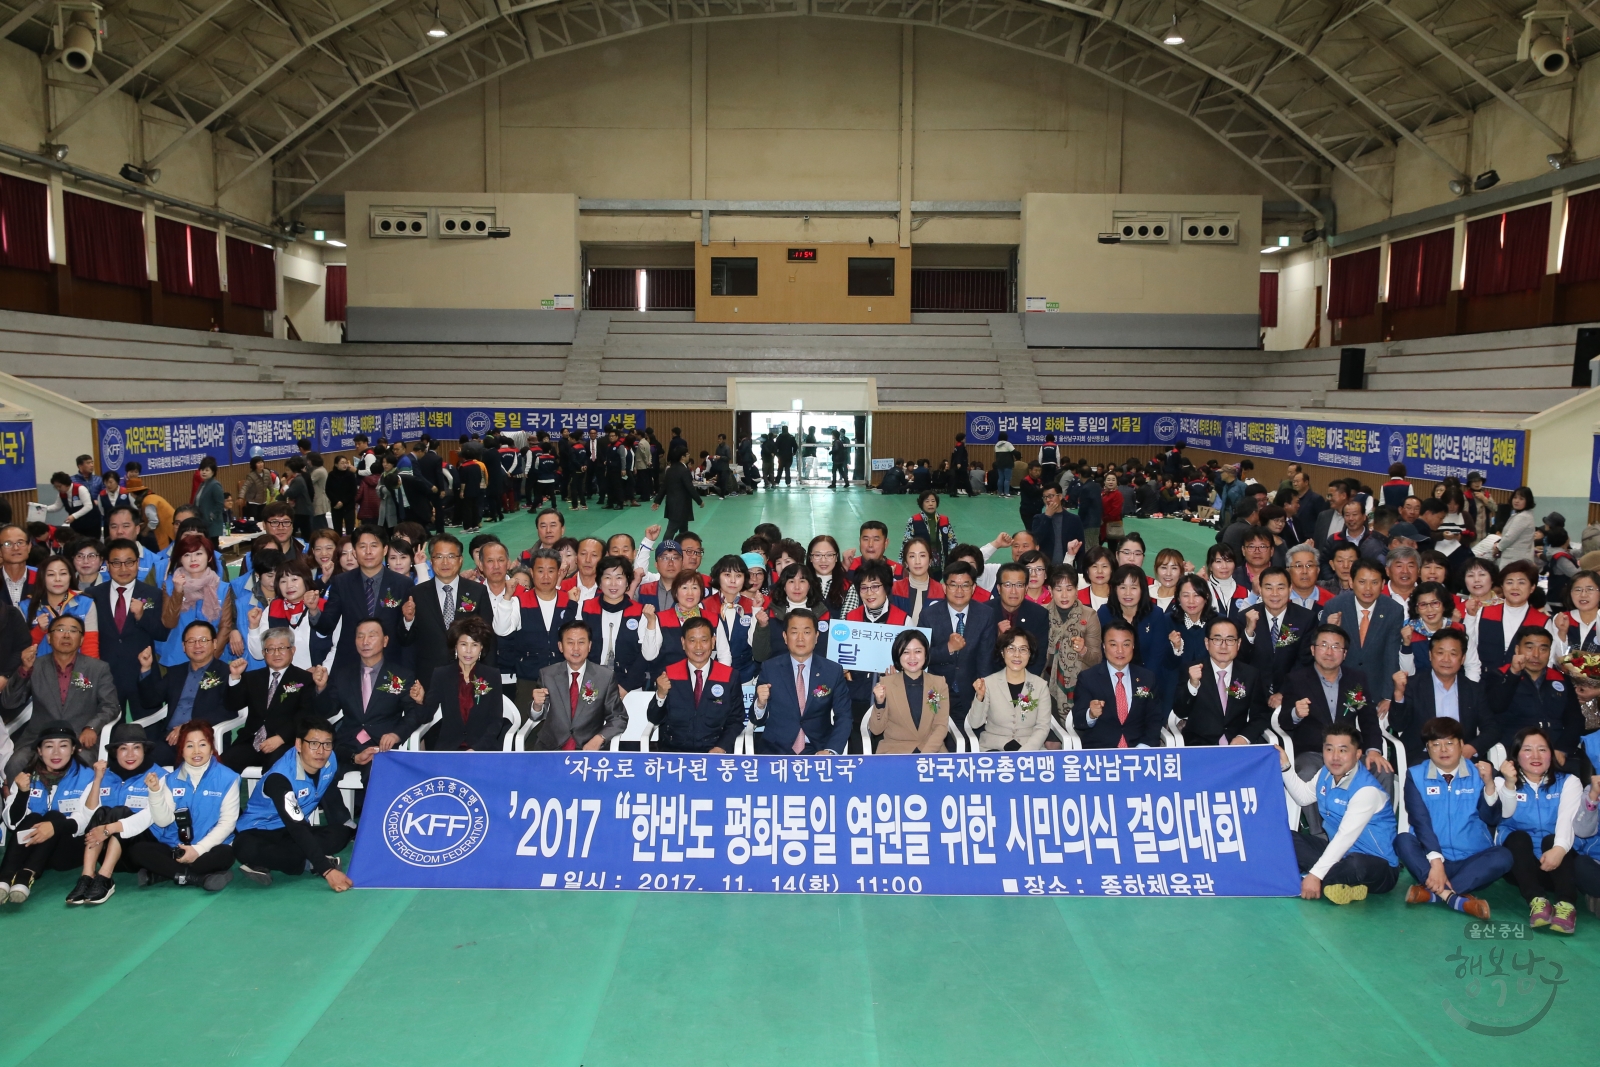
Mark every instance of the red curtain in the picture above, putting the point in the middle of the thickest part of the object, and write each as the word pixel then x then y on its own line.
pixel 1580 253
pixel 252 282
pixel 1419 270
pixel 105 242
pixel 1506 253
pixel 1353 285
pixel 186 259
pixel 669 289
pixel 334 294
pixel 24 223
pixel 614 289
pixel 1269 298
pixel 959 289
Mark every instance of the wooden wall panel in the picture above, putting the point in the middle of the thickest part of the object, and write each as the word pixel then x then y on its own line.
pixel 700 426
pixel 815 291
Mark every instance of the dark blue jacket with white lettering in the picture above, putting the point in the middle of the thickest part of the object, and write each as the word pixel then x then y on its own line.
pixel 67 796
pixel 1453 820
pixel 203 799
pixel 631 666
pixel 1518 702
pixel 1377 837
pixel 714 722
pixel 262 814
pixel 1537 808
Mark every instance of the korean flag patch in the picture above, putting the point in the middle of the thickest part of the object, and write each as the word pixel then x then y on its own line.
pixel 633 624
pixel 716 690
pixel 1433 790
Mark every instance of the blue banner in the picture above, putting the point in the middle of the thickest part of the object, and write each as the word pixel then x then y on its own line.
pixel 16 457
pixel 1146 822
pixel 164 445
pixel 1068 427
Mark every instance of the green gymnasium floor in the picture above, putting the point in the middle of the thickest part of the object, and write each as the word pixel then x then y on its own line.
pixel 297 975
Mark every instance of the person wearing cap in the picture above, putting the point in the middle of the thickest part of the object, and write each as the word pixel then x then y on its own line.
pixel 64 687
pixel 119 801
pixel 657 589
pixel 46 815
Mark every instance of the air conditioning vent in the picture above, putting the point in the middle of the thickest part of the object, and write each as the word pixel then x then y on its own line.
pixel 394 222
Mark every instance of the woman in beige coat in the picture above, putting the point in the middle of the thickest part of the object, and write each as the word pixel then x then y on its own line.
pixel 1011 706
pixel 910 707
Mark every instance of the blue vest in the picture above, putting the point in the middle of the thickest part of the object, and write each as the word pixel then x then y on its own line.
pixel 262 814
pixel 1377 837
pixel 203 799
pixel 1537 808
pixel 131 792
pixel 67 796
pixel 1453 810
pixel 77 607
pixel 243 600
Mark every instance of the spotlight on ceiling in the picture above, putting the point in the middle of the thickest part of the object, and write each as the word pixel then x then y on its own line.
pixel 1173 36
pixel 1487 180
pixel 77 34
pixel 1310 236
pixel 1557 160
pixel 437 30
pixel 140 175
pixel 1458 187
pixel 57 152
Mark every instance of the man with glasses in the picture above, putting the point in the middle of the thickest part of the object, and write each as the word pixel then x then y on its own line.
pixel 128 610
pixel 1225 700
pixel 434 604
pixel 64 687
pixel 277 697
pixel 14 569
pixel 277 519
pixel 961 647
pixel 275 834
pixel 1020 543
pixel 1322 694
pixel 1304 569
pixel 1012 608
pixel 197 690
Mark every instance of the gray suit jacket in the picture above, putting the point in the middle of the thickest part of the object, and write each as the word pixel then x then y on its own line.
pixel 599 711
pixel 1379 657
pixel 91 705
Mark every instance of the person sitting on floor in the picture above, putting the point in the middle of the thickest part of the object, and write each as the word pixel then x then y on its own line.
pixel 1356 857
pixel 274 831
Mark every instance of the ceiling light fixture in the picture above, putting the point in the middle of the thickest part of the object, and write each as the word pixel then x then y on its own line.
pixel 335 243
pixel 140 175
pixel 437 30
pixel 1487 180
pixel 1173 36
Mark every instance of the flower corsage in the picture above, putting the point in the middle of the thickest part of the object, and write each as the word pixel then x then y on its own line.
pixel 480 689
pixel 81 681
pixel 392 684
pixel 1142 691
pixel 210 681
pixel 1236 690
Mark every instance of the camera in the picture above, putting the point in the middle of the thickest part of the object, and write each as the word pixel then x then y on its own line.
pixel 185 824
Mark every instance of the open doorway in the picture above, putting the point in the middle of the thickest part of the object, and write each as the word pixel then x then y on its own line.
pixel 814 434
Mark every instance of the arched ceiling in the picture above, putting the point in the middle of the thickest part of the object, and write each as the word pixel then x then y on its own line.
pixel 1298 89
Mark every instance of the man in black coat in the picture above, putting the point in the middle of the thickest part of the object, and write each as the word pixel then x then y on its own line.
pixel 1096 707
pixel 961 647
pixel 1277 633
pixel 430 469
pixel 371 591
pixel 130 617
pixel 277 697
pixel 433 605
pixel 1225 698
pixel 1057 532
pixel 787 446
pixel 677 489
pixel 194 690
pixel 1307 711
pixel 960 482
pixel 1439 688
pixel 371 703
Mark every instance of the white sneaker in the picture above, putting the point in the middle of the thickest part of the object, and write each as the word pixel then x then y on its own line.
pixel 18 894
pixel 5 892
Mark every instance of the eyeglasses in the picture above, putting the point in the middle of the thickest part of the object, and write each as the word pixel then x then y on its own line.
pixel 12 544
pixel 280 522
pixel 824 555
pixel 317 746
pixel 1013 585
pixel 1223 640
pixel 958 585
pixel 870 587
pixel 1324 646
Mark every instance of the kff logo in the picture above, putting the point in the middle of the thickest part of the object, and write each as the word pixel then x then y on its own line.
pixel 325 431
pixel 111 448
pixel 478 422
pixel 241 440
pixel 1397 447
pixel 435 823
pixel 1299 440
pixel 982 430
pixel 1166 428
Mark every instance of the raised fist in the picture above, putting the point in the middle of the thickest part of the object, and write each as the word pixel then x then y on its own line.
pixel 1197 671
pixel 663 685
pixel 30 655
pixel 1003 539
pixel 147 659
pixel 957 643
pixel 1302 707
pixel 408 610
pixel 652 531
pixel 1097 708
pixel 319 675
pixel 1399 685
pixel 418 694
pixel 540 697
pixel 179 578
pixel 236 668
pixel 254 617
pixel 1333 618
pixel 879 694
pixel 136 607
pixel 1173 636
pixel 763 691
pixel 978 688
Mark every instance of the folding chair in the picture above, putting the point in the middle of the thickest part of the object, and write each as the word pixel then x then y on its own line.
pixel 512 742
pixel 1172 732
pixel 640 729
pixel 1278 734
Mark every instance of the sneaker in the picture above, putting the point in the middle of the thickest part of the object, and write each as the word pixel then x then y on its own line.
pixel 1419 894
pixel 101 891
pixel 5 892
pixel 80 890
pixel 258 877
pixel 216 883
pixel 1344 894
pixel 1476 907
pixel 1565 920
pixel 1540 912
pixel 1594 905
pixel 19 892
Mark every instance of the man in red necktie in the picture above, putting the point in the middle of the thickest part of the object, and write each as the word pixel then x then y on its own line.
pixel 588 712
pixel 699 704
pixel 1118 705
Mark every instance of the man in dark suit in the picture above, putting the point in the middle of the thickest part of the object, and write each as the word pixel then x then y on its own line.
pixel 1118 705
pixel 1440 690
pixel 430 469
pixel 278 696
pixel 960 483
pixel 577 703
pixel 699 704
pixel 1276 632
pixel 1373 623
pixel 195 690
pixel 434 604
pixel 818 725
pixel 1314 697
pixel 677 489
pixel 130 616
pixel 371 703
pixel 1058 532
pixel 1309 504
pixel 1225 700
pixel 961 647
pixel 1011 607
pixel 371 591
pixel 88 706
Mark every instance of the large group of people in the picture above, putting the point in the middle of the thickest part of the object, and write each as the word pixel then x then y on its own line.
pixel 1359 631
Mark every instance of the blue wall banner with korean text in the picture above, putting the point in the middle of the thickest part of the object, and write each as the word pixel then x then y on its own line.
pixel 1594 472
pixel 16 457
pixel 1068 427
pixel 165 445
pixel 1135 822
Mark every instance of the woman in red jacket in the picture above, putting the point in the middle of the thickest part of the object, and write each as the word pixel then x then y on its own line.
pixel 1111 512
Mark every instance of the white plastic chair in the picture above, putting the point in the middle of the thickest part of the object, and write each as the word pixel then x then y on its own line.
pixel 414 742
pixel 1279 735
pixel 512 742
pixel 1392 741
pixel 1172 732
pixel 640 729
pixel 952 730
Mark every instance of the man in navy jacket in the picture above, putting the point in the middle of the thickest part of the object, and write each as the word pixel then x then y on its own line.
pixel 961 647
pixel 1526 692
pixel 140 628
pixel 822 725
pixel 1417 699
pixel 1011 607
pixel 196 690
pixel 1373 623
pixel 1096 713
pixel 698 703
pixel 371 591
